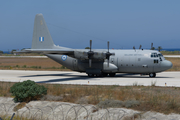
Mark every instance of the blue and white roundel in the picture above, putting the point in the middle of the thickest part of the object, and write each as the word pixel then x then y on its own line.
pixel 64 57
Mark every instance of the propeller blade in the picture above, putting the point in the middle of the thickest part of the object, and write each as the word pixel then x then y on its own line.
pixel 90 54
pixel 90 62
pixel 140 46
pixel 151 45
pixel 108 54
pixel 108 46
pixel 90 44
pixel 108 62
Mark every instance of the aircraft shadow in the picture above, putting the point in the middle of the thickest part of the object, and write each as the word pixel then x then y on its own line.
pixel 80 77
pixel 65 79
pixel 84 77
pixel 63 74
pixel 69 75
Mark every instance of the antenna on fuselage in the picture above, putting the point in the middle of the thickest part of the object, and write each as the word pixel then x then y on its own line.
pixel 134 48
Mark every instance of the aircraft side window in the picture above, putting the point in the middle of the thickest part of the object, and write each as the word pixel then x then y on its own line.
pixel 154 55
pixel 155 61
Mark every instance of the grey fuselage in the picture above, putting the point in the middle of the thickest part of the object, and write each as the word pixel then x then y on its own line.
pixel 124 61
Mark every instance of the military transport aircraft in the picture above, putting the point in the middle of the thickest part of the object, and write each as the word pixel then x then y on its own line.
pixel 99 62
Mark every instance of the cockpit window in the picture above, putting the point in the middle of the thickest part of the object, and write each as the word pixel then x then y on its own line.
pixel 161 57
pixel 154 55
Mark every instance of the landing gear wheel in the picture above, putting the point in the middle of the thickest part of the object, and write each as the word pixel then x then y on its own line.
pixel 112 74
pixel 152 75
pixel 90 75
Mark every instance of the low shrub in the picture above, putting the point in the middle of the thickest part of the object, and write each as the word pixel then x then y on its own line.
pixel 17 66
pixel 63 67
pixel 24 66
pixel 27 91
pixel 34 67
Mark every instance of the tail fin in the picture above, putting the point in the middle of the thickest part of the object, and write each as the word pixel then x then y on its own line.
pixel 41 36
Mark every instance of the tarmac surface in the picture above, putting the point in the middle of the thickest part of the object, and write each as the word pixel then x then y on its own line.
pixel 64 77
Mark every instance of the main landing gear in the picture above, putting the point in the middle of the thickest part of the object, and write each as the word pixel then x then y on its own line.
pixel 102 75
pixel 151 75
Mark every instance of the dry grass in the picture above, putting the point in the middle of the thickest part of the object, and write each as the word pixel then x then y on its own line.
pixel 170 52
pixel 5 88
pixel 30 64
pixel 176 64
pixel 161 99
pixel 16 117
pixel 19 106
pixel 165 100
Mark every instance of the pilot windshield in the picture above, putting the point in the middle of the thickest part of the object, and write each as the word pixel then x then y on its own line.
pixel 161 57
pixel 154 55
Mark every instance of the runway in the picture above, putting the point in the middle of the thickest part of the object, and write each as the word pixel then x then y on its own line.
pixel 59 77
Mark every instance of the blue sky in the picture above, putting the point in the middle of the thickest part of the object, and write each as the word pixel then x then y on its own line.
pixel 72 23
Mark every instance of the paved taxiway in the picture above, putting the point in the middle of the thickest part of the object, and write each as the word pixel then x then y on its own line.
pixel 170 78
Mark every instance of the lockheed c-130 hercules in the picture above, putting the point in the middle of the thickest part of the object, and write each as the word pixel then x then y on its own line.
pixel 96 62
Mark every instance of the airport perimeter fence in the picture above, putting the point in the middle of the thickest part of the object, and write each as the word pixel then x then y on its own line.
pixel 68 112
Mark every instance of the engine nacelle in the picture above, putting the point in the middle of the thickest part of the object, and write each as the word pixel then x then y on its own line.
pixel 83 55
pixel 80 55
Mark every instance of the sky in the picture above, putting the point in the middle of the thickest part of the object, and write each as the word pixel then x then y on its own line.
pixel 73 23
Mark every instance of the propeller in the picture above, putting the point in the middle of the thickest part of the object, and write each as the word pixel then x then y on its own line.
pixel 108 54
pixel 90 54
pixel 140 46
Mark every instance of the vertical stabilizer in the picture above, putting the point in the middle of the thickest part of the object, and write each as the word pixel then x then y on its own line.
pixel 41 36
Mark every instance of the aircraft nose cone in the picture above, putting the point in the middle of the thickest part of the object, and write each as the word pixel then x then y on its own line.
pixel 165 65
